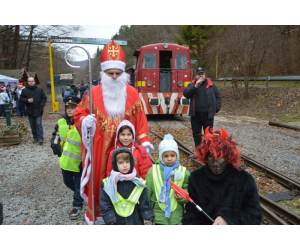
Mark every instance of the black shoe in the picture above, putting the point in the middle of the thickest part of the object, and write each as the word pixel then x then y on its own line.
pixel 34 141
pixel 75 214
pixel 41 143
pixel 192 156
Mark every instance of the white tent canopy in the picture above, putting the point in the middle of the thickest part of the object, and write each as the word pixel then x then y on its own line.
pixel 8 80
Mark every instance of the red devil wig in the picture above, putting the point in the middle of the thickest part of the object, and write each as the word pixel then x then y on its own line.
pixel 219 145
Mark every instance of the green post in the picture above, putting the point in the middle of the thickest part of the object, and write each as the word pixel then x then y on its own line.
pixel 7 114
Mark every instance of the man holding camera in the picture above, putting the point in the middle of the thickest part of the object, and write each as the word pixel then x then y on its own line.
pixel 205 101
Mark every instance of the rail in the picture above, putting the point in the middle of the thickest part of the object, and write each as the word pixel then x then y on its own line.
pixel 275 213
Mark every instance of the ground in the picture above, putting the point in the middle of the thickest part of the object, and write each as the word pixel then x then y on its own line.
pixel 274 103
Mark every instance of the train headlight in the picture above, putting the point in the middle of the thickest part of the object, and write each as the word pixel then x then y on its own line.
pixel 149 83
pixel 165 45
pixel 180 83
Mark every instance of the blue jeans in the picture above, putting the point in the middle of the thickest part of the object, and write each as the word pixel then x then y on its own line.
pixel 2 109
pixel 72 181
pixel 36 127
pixel 22 109
pixel 17 106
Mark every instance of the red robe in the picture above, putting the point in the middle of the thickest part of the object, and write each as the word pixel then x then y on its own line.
pixel 104 137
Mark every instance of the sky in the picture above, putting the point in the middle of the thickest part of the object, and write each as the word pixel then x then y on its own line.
pixel 92 31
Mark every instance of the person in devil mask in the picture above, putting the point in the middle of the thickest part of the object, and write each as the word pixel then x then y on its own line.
pixel 226 192
pixel 123 195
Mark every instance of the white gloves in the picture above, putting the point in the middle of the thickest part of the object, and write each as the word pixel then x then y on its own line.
pixel 90 121
pixel 148 146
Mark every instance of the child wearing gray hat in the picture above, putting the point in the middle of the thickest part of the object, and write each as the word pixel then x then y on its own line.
pixel 167 206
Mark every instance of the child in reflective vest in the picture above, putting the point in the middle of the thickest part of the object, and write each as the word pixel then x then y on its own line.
pixel 168 207
pixel 66 143
pixel 125 137
pixel 123 195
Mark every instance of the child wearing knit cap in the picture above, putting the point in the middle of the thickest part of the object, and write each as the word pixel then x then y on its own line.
pixel 125 137
pixel 123 195
pixel 168 207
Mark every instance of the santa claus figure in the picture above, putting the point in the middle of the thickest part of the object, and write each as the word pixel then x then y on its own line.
pixel 112 101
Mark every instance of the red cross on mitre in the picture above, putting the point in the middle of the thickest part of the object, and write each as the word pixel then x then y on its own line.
pixel 112 52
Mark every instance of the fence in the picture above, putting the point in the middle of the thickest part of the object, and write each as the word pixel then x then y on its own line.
pixel 260 78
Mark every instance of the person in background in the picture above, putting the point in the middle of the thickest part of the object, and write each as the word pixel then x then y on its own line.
pixel 66 92
pixel 16 98
pixel 226 192
pixel 75 89
pixel 35 99
pixel 123 195
pixel 86 91
pixel 65 143
pixel 205 101
pixel 22 105
pixel 82 89
pixel 3 99
pixel 168 207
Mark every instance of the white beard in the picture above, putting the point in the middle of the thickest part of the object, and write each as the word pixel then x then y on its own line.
pixel 114 94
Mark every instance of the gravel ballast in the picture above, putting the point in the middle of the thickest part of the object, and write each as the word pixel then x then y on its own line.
pixel 33 192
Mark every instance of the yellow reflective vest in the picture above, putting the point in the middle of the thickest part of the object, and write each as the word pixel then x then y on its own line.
pixel 159 182
pixel 71 156
pixel 125 207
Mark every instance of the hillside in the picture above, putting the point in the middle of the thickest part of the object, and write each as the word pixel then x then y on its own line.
pixel 275 103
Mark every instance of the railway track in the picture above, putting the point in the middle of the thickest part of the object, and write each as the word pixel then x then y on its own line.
pixel 273 212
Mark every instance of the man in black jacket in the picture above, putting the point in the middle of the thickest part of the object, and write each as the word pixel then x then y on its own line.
pixel 35 99
pixel 205 101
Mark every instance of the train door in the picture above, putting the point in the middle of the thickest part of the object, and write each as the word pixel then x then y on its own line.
pixel 182 73
pixel 165 72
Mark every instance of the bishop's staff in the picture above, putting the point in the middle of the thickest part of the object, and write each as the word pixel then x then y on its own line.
pixel 91 129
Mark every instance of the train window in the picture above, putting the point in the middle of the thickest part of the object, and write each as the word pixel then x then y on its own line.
pixel 181 61
pixel 149 61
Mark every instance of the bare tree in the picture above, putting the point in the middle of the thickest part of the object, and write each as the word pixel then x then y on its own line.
pixel 246 47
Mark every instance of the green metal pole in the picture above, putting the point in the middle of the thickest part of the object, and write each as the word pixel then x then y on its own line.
pixel 7 114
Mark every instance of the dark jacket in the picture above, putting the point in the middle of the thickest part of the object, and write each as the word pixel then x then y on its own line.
pixel 141 210
pixel 232 195
pixel 75 89
pixel 213 97
pixel 82 89
pixel 39 100
pixel 15 94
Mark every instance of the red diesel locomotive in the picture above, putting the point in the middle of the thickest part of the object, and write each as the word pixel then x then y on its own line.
pixel 162 71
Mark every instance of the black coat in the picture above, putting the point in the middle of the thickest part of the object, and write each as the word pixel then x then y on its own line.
pixel 141 211
pixel 213 97
pixel 39 100
pixel 82 89
pixel 75 89
pixel 232 195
